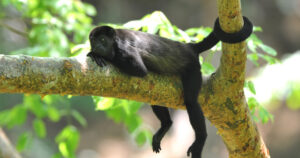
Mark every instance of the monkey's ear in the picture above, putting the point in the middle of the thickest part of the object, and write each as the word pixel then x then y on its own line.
pixel 107 30
pixel 104 30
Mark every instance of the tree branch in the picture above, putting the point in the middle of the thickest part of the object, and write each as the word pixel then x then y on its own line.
pixel 21 33
pixel 81 76
pixel 233 121
pixel 6 150
pixel 220 100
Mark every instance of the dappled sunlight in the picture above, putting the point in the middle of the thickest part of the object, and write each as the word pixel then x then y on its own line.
pixel 275 81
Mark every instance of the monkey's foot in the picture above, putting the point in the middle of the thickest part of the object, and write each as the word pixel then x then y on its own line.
pixel 156 144
pixel 195 150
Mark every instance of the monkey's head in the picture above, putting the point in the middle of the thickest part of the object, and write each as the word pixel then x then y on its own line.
pixel 102 41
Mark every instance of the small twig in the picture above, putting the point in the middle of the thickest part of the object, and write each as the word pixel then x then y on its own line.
pixel 21 33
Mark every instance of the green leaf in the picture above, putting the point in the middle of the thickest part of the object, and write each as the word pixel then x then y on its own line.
pixel 252 46
pixel 165 33
pixel 268 49
pixel 17 116
pixel 264 115
pixel 208 68
pixel 142 137
pixel 90 9
pixel 252 103
pixel 182 35
pixel 117 114
pixel 4 117
pixel 133 122
pixel 69 136
pixel 269 59
pixel 253 57
pixel 57 155
pixel 53 114
pixel 79 47
pixel 63 148
pixel 79 118
pixel 255 39
pixel 251 87
pixel 39 128
pixel 135 24
pixel 23 141
pixel 293 99
pixel 105 103
pixel 34 103
pixel 257 29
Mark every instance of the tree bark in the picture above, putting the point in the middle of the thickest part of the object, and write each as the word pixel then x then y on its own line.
pixel 233 121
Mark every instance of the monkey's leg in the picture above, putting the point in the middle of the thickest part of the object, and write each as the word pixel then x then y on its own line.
pixel 192 80
pixel 162 113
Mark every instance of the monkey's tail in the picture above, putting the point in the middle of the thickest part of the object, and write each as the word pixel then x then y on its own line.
pixel 218 34
pixel 207 43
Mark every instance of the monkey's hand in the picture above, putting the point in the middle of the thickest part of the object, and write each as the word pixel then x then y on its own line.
pixel 99 60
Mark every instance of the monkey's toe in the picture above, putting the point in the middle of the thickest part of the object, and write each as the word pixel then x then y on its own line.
pixel 156 144
pixel 194 150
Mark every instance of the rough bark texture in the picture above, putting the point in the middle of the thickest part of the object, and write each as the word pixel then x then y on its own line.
pixel 81 76
pixel 6 150
pixel 222 97
pixel 234 123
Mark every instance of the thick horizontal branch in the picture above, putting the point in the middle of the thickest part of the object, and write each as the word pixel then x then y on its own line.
pixel 81 76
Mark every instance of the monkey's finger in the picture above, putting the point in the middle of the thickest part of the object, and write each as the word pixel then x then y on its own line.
pixel 103 62
pixel 189 151
pixel 99 61
pixel 90 54
pixel 156 150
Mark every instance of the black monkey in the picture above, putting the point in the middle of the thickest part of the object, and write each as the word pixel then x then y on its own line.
pixel 136 53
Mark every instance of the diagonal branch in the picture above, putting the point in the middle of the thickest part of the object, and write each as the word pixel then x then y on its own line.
pixel 233 119
pixel 6 149
pixel 21 33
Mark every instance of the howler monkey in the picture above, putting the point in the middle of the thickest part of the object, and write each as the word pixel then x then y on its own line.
pixel 136 53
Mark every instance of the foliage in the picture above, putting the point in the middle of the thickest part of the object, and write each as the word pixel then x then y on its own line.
pixel 54 26
pixel 293 99
pixel 125 111
pixel 60 28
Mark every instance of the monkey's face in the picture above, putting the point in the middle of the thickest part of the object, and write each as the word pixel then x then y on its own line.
pixel 102 45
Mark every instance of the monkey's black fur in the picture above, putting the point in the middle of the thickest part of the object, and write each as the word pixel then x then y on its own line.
pixel 136 53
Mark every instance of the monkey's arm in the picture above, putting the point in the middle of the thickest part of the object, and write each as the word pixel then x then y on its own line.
pixel 130 62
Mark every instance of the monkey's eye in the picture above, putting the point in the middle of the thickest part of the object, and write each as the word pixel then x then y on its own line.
pixel 102 40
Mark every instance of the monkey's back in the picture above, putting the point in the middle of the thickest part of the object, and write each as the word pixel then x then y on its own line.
pixel 160 55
